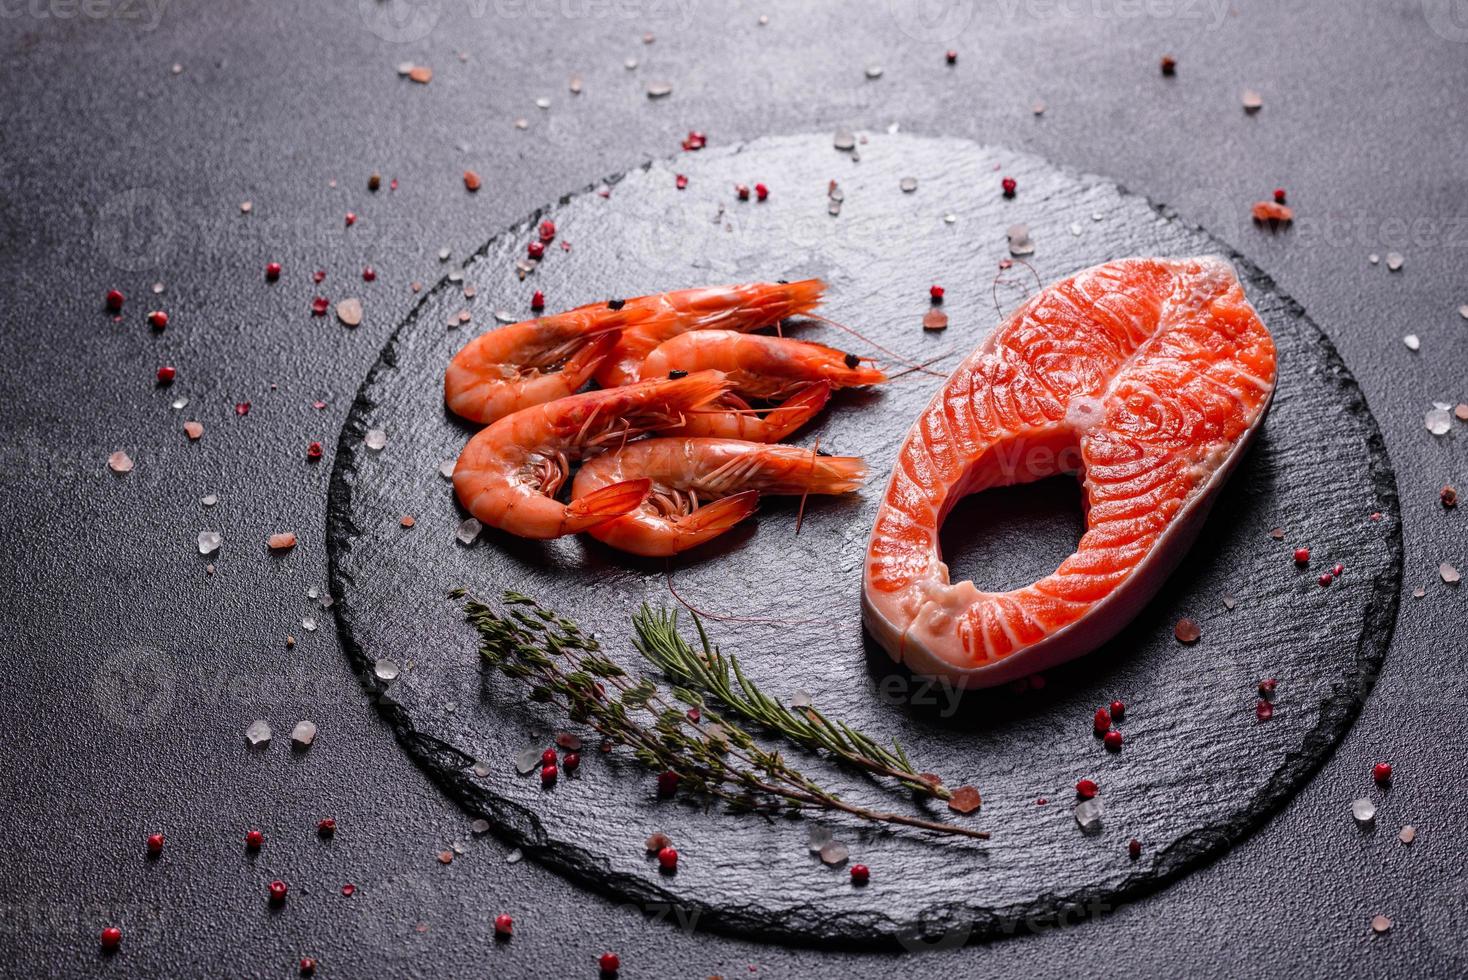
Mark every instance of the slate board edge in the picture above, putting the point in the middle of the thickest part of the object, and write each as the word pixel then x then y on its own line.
pixel 943 924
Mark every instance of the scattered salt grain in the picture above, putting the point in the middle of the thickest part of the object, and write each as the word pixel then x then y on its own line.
pixel 309 624
pixel 209 542
pixel 209 499
pixel 800 699
pixel 1438 421
pixel 1380 924
pixel 844 140
pixel 303 734
pixel 349 311
pixel 281 540
pixel 446 469
pixel 1412 342
pixel 1364 811
pixel 258 734
pixel 1463 311
pixel 874 71
pixel 1408 834
pixel 480 826
pixel 1394 261
pixel 1019 241
pixel 1449 573
pixel 835 853
pixel 1088 815
pixel 386 670
pixel 527 760
pixel 909 184
pixel 180 402
pixel 818 837
pixel 481 769
pixel 375 439
pixel 514 856
pixel 468 531
pixel 120 462
pixel 193 430
pixel 1252 100
pixel 658 90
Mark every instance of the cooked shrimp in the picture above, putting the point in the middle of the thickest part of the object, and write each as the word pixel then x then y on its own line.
pixel 510 472
pixel 731 417
pixel 750 306
pixel 532 362
pixel 703 487
pixel 763 367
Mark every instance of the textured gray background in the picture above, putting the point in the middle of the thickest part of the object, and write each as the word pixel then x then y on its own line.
pixel 116 172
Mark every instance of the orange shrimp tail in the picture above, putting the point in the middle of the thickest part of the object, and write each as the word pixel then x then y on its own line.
pixel 837 474
pixel 796 410
pixel 714 519
pixel 684 395
pixel 610 502
pixel 585 361
pixel 789 299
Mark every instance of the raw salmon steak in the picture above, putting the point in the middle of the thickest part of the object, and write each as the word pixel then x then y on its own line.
pixel 1149 378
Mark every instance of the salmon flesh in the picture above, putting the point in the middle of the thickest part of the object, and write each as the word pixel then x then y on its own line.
pixel 1148 378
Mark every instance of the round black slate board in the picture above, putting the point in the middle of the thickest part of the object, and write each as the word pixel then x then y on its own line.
pixel 1198 770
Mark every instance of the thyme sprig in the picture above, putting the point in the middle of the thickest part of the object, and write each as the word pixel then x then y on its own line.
pixel 566 668
pixel 716 674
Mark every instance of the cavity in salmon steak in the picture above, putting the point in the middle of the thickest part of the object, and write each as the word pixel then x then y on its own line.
pixel 1149 378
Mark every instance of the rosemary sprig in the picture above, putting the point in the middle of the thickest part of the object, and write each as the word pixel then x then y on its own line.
pixel 716 674
pixel 565 668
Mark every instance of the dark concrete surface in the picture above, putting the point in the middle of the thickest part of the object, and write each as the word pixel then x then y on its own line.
pixel 131 675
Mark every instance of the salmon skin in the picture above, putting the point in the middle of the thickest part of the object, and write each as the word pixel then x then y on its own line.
pixel 1148 377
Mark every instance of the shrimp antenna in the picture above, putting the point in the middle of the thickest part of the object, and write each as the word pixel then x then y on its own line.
pixel 810 477
pixel 867 340
pixel 1000 278
pixel 729 619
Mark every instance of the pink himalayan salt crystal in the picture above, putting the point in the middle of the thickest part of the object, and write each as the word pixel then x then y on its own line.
pixel 193 429
pixel 120 462
pixel 282 540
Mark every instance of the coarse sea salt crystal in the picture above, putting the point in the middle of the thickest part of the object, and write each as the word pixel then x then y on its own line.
pixel 1438 421
pixel 446 469
pixel 120 462
pixel 386 670
pixel 375 439
pixel 1364 811
pixel 258 734
pixel 303 734
pixel 209 499
pixel 527 760
pixel 835 853
pixel 1412 342
pixel 209 542
pixel 1088 815
pixel 468 530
